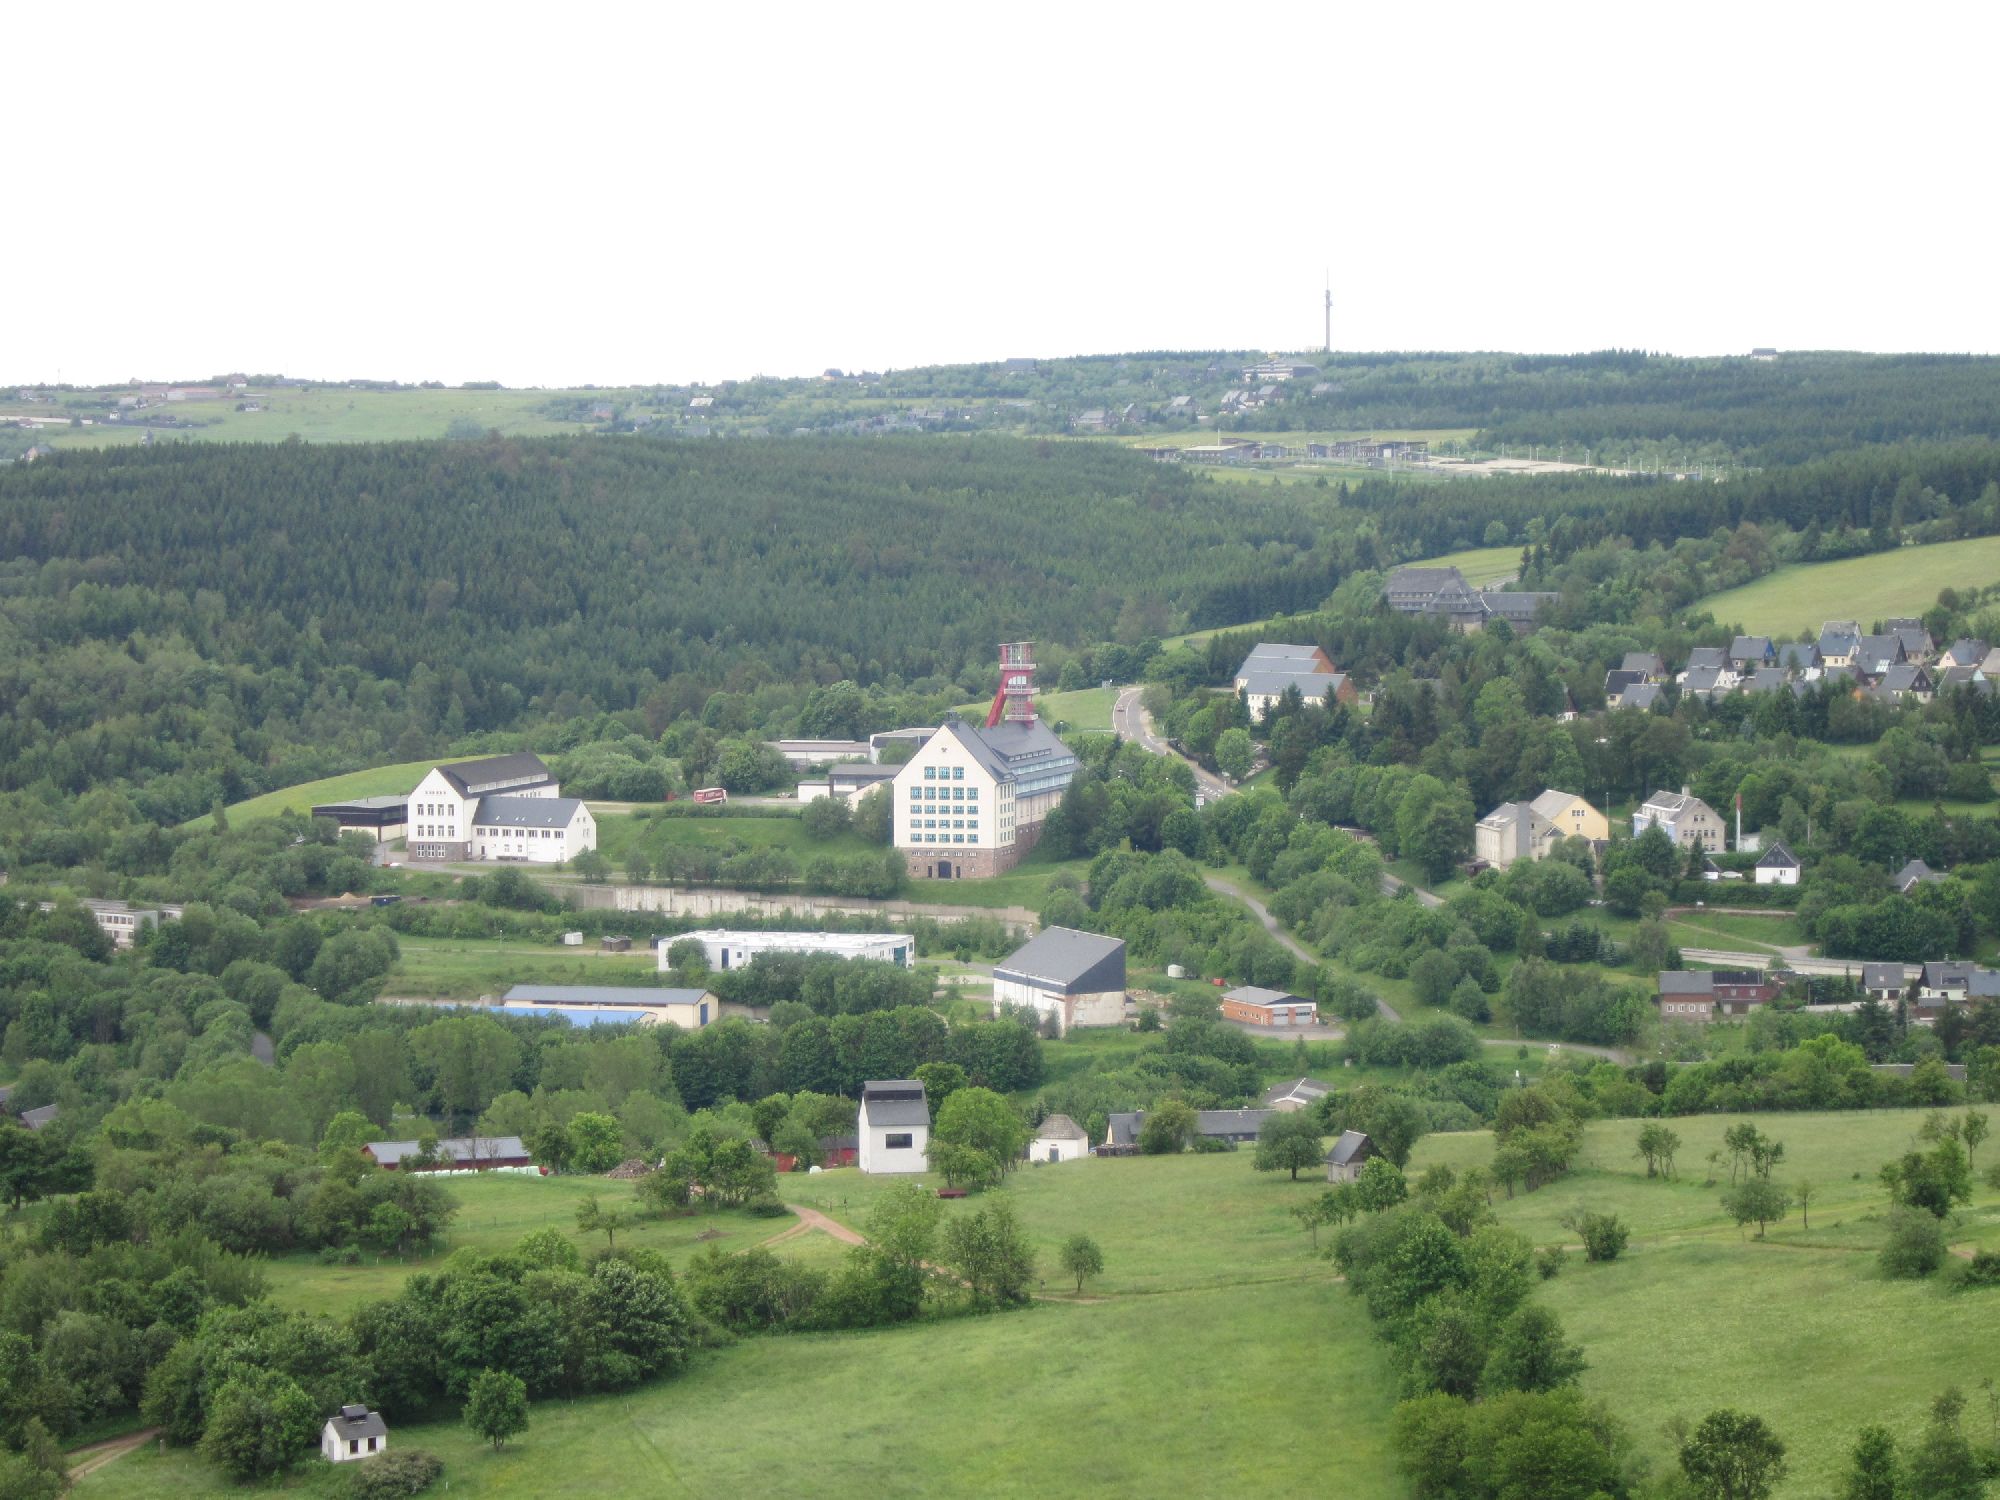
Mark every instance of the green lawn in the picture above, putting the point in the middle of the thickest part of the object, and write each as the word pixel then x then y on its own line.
pixel 380 781
pixel 1904 582
pixel 494 1213
pixel 466 968
pixel 1800 1328
pixel 1086 709
pixel 1480 565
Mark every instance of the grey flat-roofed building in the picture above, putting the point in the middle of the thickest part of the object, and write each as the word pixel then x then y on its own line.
pixel 1078 977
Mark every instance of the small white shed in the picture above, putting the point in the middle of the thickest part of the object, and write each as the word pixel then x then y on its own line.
pixel 351 1433
pixel 1058 1138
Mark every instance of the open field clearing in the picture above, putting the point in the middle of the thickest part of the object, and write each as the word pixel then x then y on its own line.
pixel 379 781
pixel 334 415
pixel 1794 601
pixel 1085 709
pixel 466 968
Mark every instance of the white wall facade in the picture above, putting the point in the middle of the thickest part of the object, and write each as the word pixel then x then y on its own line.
pixel 944 797
pixel 1778 875
pixel 732 950
pixel 335 1449
pixel 1053 1148
pixel 1097 1008
pixel 440 820
pixel 893 1148
pixel 536 845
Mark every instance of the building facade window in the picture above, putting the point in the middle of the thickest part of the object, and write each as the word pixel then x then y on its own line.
pixel 900 1142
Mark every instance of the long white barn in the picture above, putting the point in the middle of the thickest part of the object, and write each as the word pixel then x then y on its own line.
pixel 732 950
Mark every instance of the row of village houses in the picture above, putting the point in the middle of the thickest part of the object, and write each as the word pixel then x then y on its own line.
pixel 1706 995
pixel 1901 663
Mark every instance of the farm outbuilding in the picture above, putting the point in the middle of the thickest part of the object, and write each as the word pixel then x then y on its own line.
pixel 1348 1155
pixel 895 1125
pixel 1058 1138
pixel 351 1433
pixel 1077 977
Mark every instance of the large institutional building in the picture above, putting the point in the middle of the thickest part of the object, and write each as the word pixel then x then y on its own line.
pixel 505 807
pixel 973 800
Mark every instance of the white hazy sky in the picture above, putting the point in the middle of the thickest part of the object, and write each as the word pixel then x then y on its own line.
pixel 566 194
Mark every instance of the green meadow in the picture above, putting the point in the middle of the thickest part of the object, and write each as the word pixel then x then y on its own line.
pixel 378 781
pixel 1797 600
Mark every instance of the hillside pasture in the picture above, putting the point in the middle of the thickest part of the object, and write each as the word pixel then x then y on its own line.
pixel 1795 601
pixel 378 781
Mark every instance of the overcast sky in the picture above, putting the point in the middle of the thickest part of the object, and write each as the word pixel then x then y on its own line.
pixel 554 196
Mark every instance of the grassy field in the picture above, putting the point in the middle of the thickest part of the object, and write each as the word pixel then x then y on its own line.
pixel 1480 565
pixel 466 968
pixel 381 781
pixel 331 415
pixel 1086 709
pixel 1905 582
pixel 1212 1300
pixel 1204 436
pixel 494 1213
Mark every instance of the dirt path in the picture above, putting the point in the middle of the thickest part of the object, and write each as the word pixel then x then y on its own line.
pixel 811 1219
pixel 89 1460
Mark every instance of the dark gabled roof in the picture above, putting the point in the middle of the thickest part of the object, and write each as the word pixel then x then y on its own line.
pixel 1707 656
pixel 357 1422
pixel 1423 580
pixel 1122 1129
pixel 1618 679
pixel 1695 982
pixel 1702 679
pixel 1915 873
pixel 470 776
pixel 1642 662
pixel 1778 857
pixel 1640 695
pixel 1515 606
pixel 1352 1146
pixel 1745 647
pixel 1230 1122
pixel 1768 680
pixel 894 1101
pixel 1883 976
pixel 35 1119
pixel 1272 682
pixel 1798 655
pixel 525 812
pixel 1065 960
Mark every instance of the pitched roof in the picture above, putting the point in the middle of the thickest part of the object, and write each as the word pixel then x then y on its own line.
pixel 1551 802
pixel 357 1422
pixel 1273 682
pixel 1303 1089
pixel 470 776
pixel 1883 976
pixel 1697 982
pixel 1122 1129
pixel 1707 656
pixel 35 1119
pixel 1916 872
pixel 1064 958
pixel 1640 695
pixel 1219 1122
pixel 1643 662
pixel 526 812
pixel 1351 1145
pixel 894 1101
pixel 1749 647
pixel 1702 680
pixel 1423 580
pixel 1059 1128
pixel 1778 857
pixel 1768 680
pixel 1798 655
pixel 1251 994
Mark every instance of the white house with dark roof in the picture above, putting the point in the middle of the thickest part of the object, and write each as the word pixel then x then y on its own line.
pixel 1058 1138
pixel 1262 690
pixel 1077 977
pixel 1778 866
pixel 1348 1155
pixel 501 807
pixel 895 1126
pixel 353 1432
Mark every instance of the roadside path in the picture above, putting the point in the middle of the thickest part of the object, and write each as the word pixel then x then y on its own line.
pixel 94 1457
pixel 1130 719
pixel 1290 944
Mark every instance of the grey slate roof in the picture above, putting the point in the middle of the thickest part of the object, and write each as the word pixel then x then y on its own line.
pixel 1059 1128
pixel 1798 655
pixel 1122 1129
pixel 1515 606
pixel 1306 1089
pixel 894 1101
pixel 1767 680
pixel 1883 977
pixel 1230 1124
pixel 1906 677
pixel 1312 686
pixel 603 994
pixel 1066 961
pixel 1011 751
pixel 1702 680
pixel 1875 653
pixel 1750 648
pixel 1645 663
pixel 1251 994
pixel 35 1119
pixel 1640 695
pixel 525 812
pixel 1778 857
pixel 1694 983
pixel 1267 656
pixel 1618 679
pixel 451 1148
pixel 1707 656
pixel 472 776
pixel 1915 873
pixel 1352 1143
pixel 357 1422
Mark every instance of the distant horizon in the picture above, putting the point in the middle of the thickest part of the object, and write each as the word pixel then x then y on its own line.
pixel 14 383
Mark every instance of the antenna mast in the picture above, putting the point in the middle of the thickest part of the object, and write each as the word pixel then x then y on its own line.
pixel 1327 348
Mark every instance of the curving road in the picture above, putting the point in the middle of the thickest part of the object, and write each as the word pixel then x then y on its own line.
pixel 1130 719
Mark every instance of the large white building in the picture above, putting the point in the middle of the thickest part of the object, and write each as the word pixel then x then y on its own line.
pixel 1690 822
pixel 504 807
pixel 732 950
pixel 120 920
pixel 895 1126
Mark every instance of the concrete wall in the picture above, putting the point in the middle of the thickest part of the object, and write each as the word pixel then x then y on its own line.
pixel 722 901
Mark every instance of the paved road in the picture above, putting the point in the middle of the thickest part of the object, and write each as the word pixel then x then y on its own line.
pixel 1130 719
pixel 1291 945
pixel 1393 883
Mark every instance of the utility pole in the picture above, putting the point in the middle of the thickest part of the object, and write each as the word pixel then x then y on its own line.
pixel 1327 347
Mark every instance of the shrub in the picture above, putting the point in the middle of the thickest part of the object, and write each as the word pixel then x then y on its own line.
pixel 1983 1269
pixel 1603 1235
pixel 1208 1145
pixel 1549 1261
pixel 391 1475
pixel 1916 1243
pixel 766 1206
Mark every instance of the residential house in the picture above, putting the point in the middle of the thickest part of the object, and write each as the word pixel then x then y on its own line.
pixel 1778 866
pixel 1963 680
pixel 1058 1138
pixel 1443 592
pixel 1800 657
pixel 458 1152
pixel 1707 658
pixel 1572 817
pixel 1876 654
pixel 38 1119
pixel 1348 1155
pixel 1907 680
pixel 1256 1006
pixel 1300 1093
pixel 1094 420
pixel 351 1433
pixel 1617 680
pixel 1838 642
pixel 501 807
pixel 1121 1134
pixel 1076 977
pixel 1409 590
pixel 1912 875
pixel 1991 666
pixel 1917 643
pixel 1262 690
pixel 1640 695
pixel 1769 680
pixel 1278 656
pixel 1884 983
pixel 1707 682
pixel 1646 666
pixel 895 1126
pixel 1943 985
pixel 1704 995
pixel 1513 830
pixel 1690 822
pixel 1965 653
pixel 1749 652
